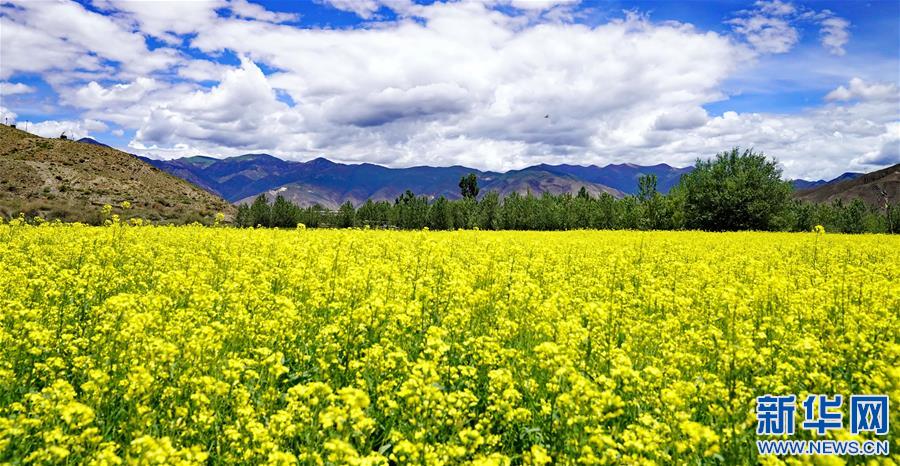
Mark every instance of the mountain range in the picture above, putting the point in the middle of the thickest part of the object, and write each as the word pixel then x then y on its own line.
pixel 321 181
pixel 806 184
pixel 67 177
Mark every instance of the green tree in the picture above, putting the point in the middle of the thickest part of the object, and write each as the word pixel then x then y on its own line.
pixel 651 204
pixel 283 213
pixel 468 186
pixel 736 191
pixel 346 217
pixel 489 212
pixel 242 218
pixel 260 212
pixel 440 215
pixel 583 193
pixel 411 211
pixel 374 214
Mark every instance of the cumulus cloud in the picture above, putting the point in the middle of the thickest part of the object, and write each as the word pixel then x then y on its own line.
pixel 858 89
pixel 682 119
pixel 486 84
pixel 888 153
pixel 76 129
pixel 241 112
pixel 500 87
pixel 8 88
pixel 95 96
pixel 70 37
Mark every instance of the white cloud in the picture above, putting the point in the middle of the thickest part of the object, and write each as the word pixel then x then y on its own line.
pixel 64 36
pixel 241 112
pixel 73 129
pixel 539 4
pixel 776 7
pixel 888 153
pixel 8 88
pixel 202 70
pixel 486 84
pixel 246 10
pixel 767 34
pixel 834 34
pixel 443 84
pixel 858 89
pixel 682 119
pixel 818 143
pixel 95 96
pixel 772 26
pixel 363 8
pixel 7 115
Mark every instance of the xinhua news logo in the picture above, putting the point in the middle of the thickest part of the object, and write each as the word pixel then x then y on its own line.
pixel 775 415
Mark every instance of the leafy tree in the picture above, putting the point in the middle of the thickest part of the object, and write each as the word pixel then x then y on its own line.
pixel 853 217
pixel 736 191
pixel 647 187
pixel 468 186
pixel 374 214
pixel 313 216
pixel 242 218
pixel 440 215
pixel 346 215
pixel 489 211
pixel 892 218
pixel 260 212
pixel 583 193
pixel 652 205
pixel 283 214
pixel 411 211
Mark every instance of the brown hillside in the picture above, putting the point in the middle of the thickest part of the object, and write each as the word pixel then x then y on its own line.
pixel 71 181
pixel 873 188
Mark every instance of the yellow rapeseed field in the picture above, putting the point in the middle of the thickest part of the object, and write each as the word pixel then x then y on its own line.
pixel 198 345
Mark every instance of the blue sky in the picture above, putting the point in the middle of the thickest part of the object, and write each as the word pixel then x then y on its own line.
pixel 814 84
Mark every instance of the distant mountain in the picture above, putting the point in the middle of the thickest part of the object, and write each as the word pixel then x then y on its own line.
pixel 240 179
pixel 623 177
pixel 71 180
pixel 873 188
pixel 806 184
pixel 333 194
pixel 91 141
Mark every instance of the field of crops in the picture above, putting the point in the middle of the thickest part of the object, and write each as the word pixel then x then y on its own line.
pixel 197 345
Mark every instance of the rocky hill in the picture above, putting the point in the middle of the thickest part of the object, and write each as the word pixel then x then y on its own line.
pixel 874 188
pixel 72 180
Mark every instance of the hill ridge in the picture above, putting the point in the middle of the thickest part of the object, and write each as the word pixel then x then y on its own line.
pixel 72 180
pixel 874 188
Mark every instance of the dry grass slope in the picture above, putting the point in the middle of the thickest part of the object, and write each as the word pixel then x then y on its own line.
pixel 873 188
pixel 71 181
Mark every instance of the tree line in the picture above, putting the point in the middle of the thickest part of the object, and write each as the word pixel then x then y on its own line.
pixel 737 190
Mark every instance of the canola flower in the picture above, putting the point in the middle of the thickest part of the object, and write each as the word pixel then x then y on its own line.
pixel 192 345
